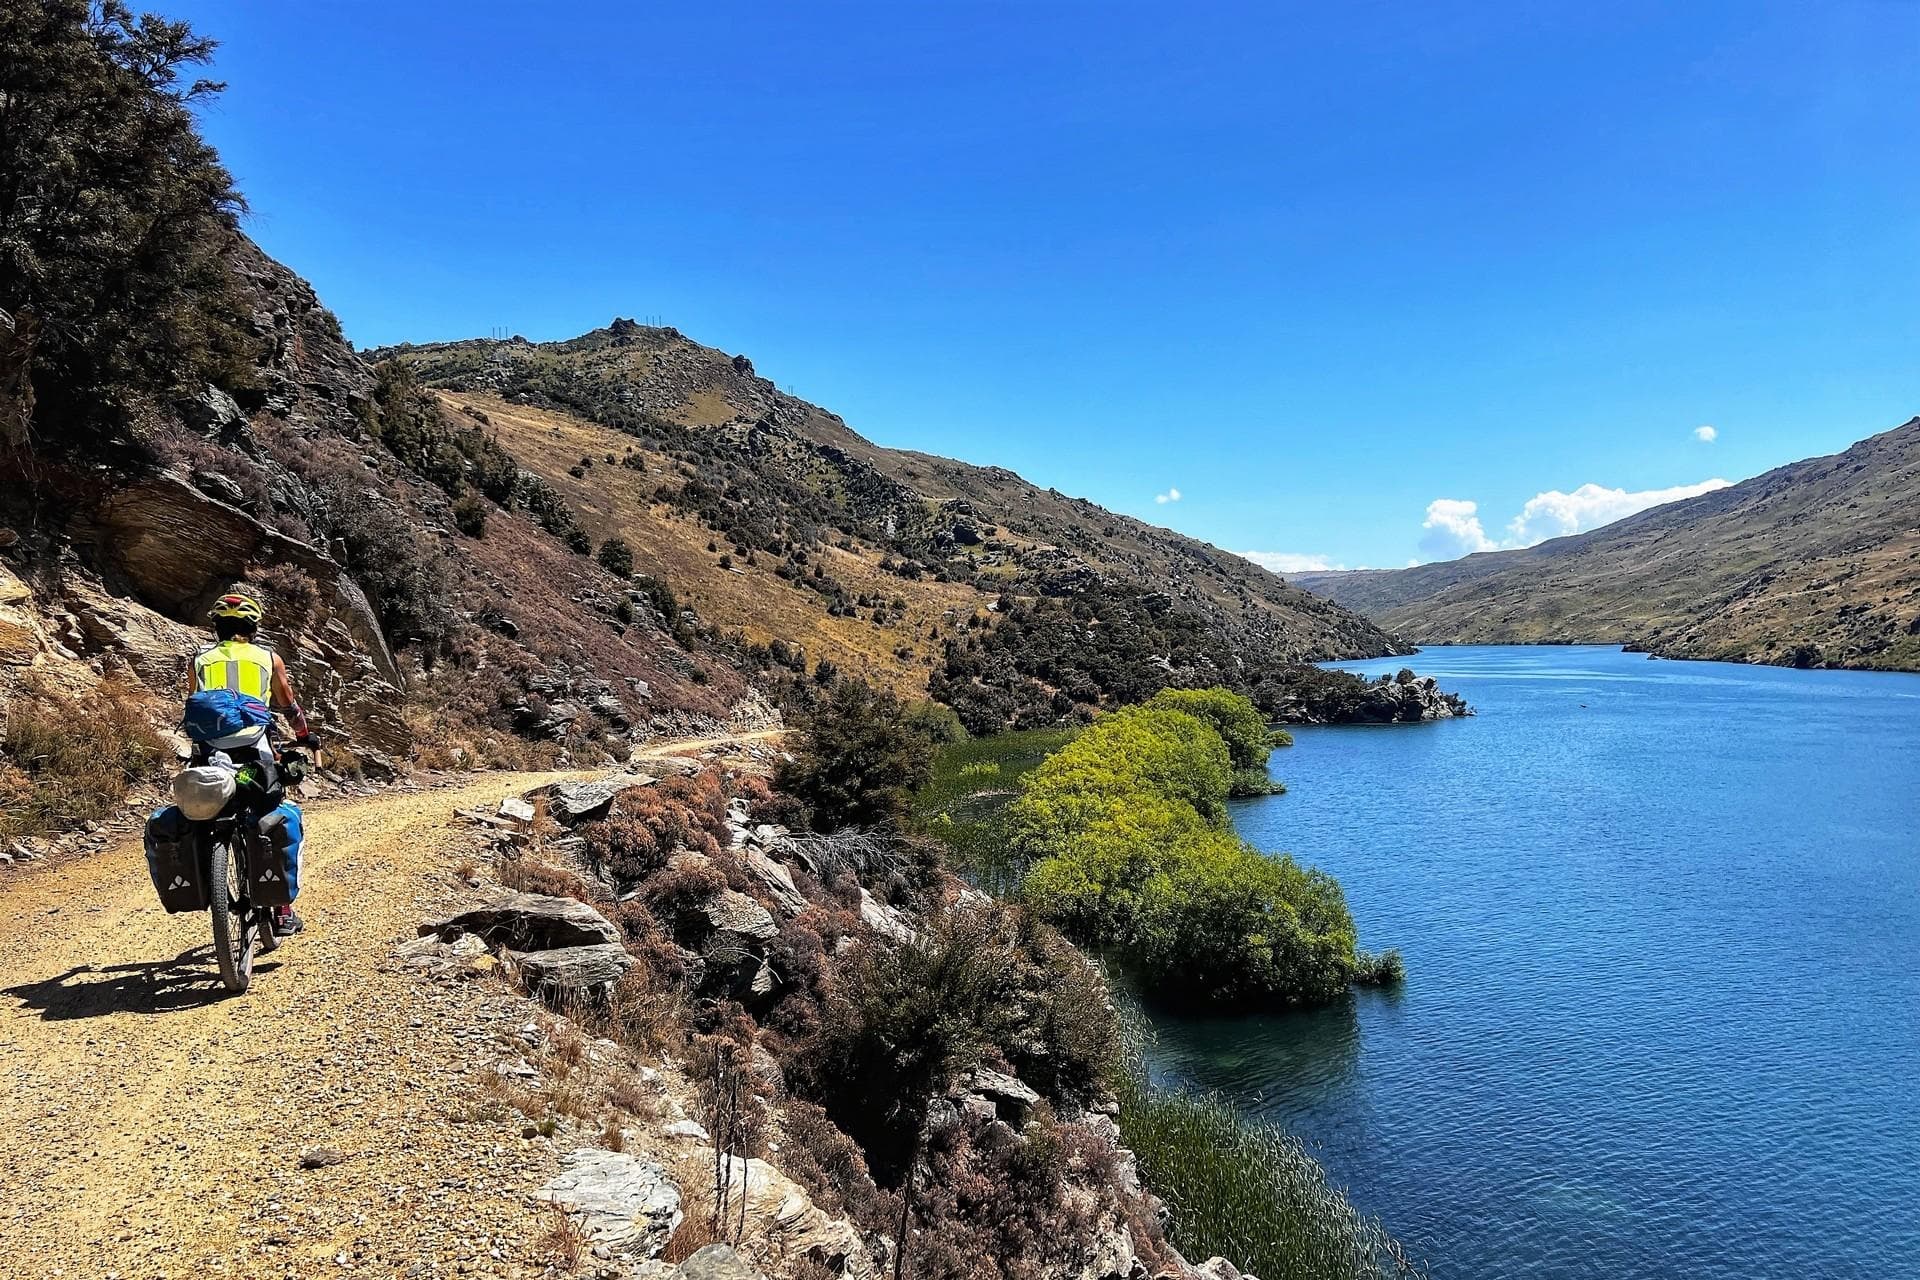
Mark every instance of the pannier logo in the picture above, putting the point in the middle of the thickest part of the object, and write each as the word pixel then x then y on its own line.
pixel 179 883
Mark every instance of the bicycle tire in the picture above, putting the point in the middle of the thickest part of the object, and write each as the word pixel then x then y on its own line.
pixel 232 947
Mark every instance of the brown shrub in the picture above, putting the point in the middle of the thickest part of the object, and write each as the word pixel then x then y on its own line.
pixel 997 1205
pixel 291 596
pixel 71 760
pixel 764 804
pixel 676 893
pixel 646 824
pixel 829 1165
pixel 531 875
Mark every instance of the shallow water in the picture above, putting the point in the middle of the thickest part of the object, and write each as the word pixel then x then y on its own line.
pixel 1663 1009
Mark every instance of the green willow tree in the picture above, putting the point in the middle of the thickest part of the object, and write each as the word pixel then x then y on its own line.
pixel 113 215
pixel 1128 844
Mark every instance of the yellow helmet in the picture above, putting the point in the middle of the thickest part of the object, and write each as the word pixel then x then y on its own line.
pixel 237 606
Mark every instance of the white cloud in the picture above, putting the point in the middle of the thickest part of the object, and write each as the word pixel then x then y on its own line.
pixel 1554 514
pixel 1453 529
pixel 1171 495
pixel 1289 561
pixel 1705 435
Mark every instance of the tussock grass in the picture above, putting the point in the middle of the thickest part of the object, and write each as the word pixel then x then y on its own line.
pixel 1243 1189
pixel 68 761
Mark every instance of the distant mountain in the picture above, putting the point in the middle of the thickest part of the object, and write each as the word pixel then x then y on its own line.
pixel 1812 564
pixel 777 522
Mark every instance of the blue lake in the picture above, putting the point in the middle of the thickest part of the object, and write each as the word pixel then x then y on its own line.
pixel 1662 1015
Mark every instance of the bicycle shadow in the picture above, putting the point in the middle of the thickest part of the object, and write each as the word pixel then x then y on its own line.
pixel 188 981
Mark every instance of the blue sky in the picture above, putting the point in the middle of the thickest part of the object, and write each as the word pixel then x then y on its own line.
pixel 1330 272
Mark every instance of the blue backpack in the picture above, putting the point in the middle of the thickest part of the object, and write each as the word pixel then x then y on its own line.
pixel 213 714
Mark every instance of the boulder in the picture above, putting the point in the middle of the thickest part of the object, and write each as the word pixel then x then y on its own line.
pixel 213 413
pixel 513 807
pixel 779 1211
pixel 718 1262
pixel 20 634
pixel 889 922
pixel 220 487
pixel 565 973
pixel 1113 1257
pixel 1012 1100
pixel 572 803
pixel 776 879
pixel 733 912
pixel 528 922
pixel 625 1204
pixel 1218 1268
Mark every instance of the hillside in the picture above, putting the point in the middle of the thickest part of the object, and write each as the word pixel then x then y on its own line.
pixel 779 523
pixel 1813 564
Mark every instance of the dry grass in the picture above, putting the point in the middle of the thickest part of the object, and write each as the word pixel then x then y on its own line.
pixel 527 874
pixel 614 501
pixel 67 761
pixel 632 1097
pixel 694 1233
pixel 566 1049
pixel 641 1013
pixel 564 1242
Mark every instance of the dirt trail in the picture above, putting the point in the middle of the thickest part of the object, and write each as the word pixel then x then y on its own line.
pixel 150 1128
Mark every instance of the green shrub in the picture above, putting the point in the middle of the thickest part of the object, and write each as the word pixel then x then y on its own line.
pixel 1383 970
pixel 936 722
pixel 1128 845
pixel 902 1023
pixel 616 557
pixel 1239 724
pixel 858 760
pixel 407 584
pixel 115 215
pixel 470 515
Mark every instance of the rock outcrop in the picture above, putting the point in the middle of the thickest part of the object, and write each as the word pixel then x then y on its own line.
pixel 564 975
pixel 572 803
pixel 780 1211
pixel 627 1205
pixel 527 922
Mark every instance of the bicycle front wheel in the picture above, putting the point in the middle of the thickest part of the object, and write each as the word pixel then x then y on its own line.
pixel 232 939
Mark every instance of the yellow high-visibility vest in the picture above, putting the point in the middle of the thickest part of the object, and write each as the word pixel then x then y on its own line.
pixel 237 665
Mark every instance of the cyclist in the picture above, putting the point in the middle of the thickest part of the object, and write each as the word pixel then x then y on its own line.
pixel 238 661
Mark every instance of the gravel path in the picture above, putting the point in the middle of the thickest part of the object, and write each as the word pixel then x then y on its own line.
pixel 150 1127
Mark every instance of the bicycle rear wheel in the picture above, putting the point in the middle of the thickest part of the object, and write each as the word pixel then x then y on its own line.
pixel 232 938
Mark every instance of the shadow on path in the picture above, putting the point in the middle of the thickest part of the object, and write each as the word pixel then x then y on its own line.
pixel 188 981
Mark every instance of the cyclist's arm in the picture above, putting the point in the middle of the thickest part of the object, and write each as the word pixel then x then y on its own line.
pixel 284 700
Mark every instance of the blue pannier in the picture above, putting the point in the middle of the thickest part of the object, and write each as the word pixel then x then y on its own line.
pixel 213 714
pixel 275 864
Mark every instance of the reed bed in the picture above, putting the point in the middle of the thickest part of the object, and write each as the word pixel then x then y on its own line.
pixel 1243 1189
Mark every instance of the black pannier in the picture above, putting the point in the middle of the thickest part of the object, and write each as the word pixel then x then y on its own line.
pixel 173 860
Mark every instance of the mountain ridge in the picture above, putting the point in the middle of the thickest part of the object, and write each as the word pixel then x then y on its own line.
pixel 1814 563
pixel 923 545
